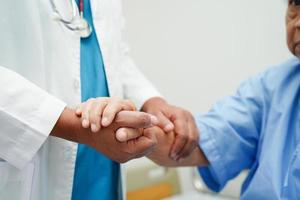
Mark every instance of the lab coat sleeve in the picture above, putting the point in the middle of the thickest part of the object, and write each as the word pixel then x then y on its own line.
pixel 27 116
pixel 230 131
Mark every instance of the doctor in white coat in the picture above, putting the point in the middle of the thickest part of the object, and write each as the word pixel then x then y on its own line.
pixel 40 83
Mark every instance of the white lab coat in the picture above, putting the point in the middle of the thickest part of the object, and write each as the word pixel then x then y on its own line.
pixel 39 76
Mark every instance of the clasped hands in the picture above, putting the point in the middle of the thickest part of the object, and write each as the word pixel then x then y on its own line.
pixel 165 133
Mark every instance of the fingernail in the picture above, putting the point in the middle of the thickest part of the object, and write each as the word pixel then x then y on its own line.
pixel 121 136
pixel 105 121
pixel 169 127
pixel 85 123
pixel 94 128
pixel 154 120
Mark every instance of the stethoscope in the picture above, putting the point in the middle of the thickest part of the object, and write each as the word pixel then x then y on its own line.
pixel 77 23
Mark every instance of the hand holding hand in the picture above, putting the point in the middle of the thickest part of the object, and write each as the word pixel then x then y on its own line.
pixel 175 119
pixel 69 127
pixel 100 112
pixel 160 154
pixel 106 141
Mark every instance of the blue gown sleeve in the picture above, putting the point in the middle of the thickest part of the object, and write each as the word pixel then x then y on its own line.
pixel 229 133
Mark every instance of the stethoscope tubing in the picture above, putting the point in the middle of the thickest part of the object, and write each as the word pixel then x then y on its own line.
pixel 77 23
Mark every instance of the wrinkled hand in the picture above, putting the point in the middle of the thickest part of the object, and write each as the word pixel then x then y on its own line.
pixel 175 119
pixel 69 127
pixel 160 154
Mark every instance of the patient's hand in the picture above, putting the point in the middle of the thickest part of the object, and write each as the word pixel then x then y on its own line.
pixel 101 112
pixel 161 153
pixel 180 121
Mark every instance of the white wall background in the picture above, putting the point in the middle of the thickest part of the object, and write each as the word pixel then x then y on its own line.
pixel 196 51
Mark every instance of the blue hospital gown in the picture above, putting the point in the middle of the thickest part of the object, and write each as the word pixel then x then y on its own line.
pixel 258 129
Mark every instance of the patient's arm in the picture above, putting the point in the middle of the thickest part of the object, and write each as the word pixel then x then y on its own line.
pixel 161 153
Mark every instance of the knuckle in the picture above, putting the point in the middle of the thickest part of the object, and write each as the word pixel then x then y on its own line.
pixel 79 106
pixel 178 111
pixel 115 99
pixel 103 102
pixel 129 103
pixel 101 99
pixel 144 120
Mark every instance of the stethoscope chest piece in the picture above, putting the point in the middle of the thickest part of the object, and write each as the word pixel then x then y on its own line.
pixel 83 28
pixel 77 23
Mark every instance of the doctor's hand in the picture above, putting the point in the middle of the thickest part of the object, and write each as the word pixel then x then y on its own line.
pixel 69 127
pixel 100 112
pixel 178 120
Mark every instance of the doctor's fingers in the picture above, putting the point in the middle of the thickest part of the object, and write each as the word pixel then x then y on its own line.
pixel 126 134
pixel 114 106
pixel 135 119
pixel 95 114
pixel 192 141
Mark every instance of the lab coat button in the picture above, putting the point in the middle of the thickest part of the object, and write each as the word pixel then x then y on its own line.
pixel 76 84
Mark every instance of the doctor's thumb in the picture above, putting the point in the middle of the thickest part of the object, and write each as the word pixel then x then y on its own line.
pixel 134 119
pixel 126 134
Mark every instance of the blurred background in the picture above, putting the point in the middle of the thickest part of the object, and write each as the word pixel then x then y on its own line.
pixel 196 52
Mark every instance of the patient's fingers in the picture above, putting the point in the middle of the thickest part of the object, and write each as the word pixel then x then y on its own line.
pixel 192 141
pixel 164 122
pixel 181 138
